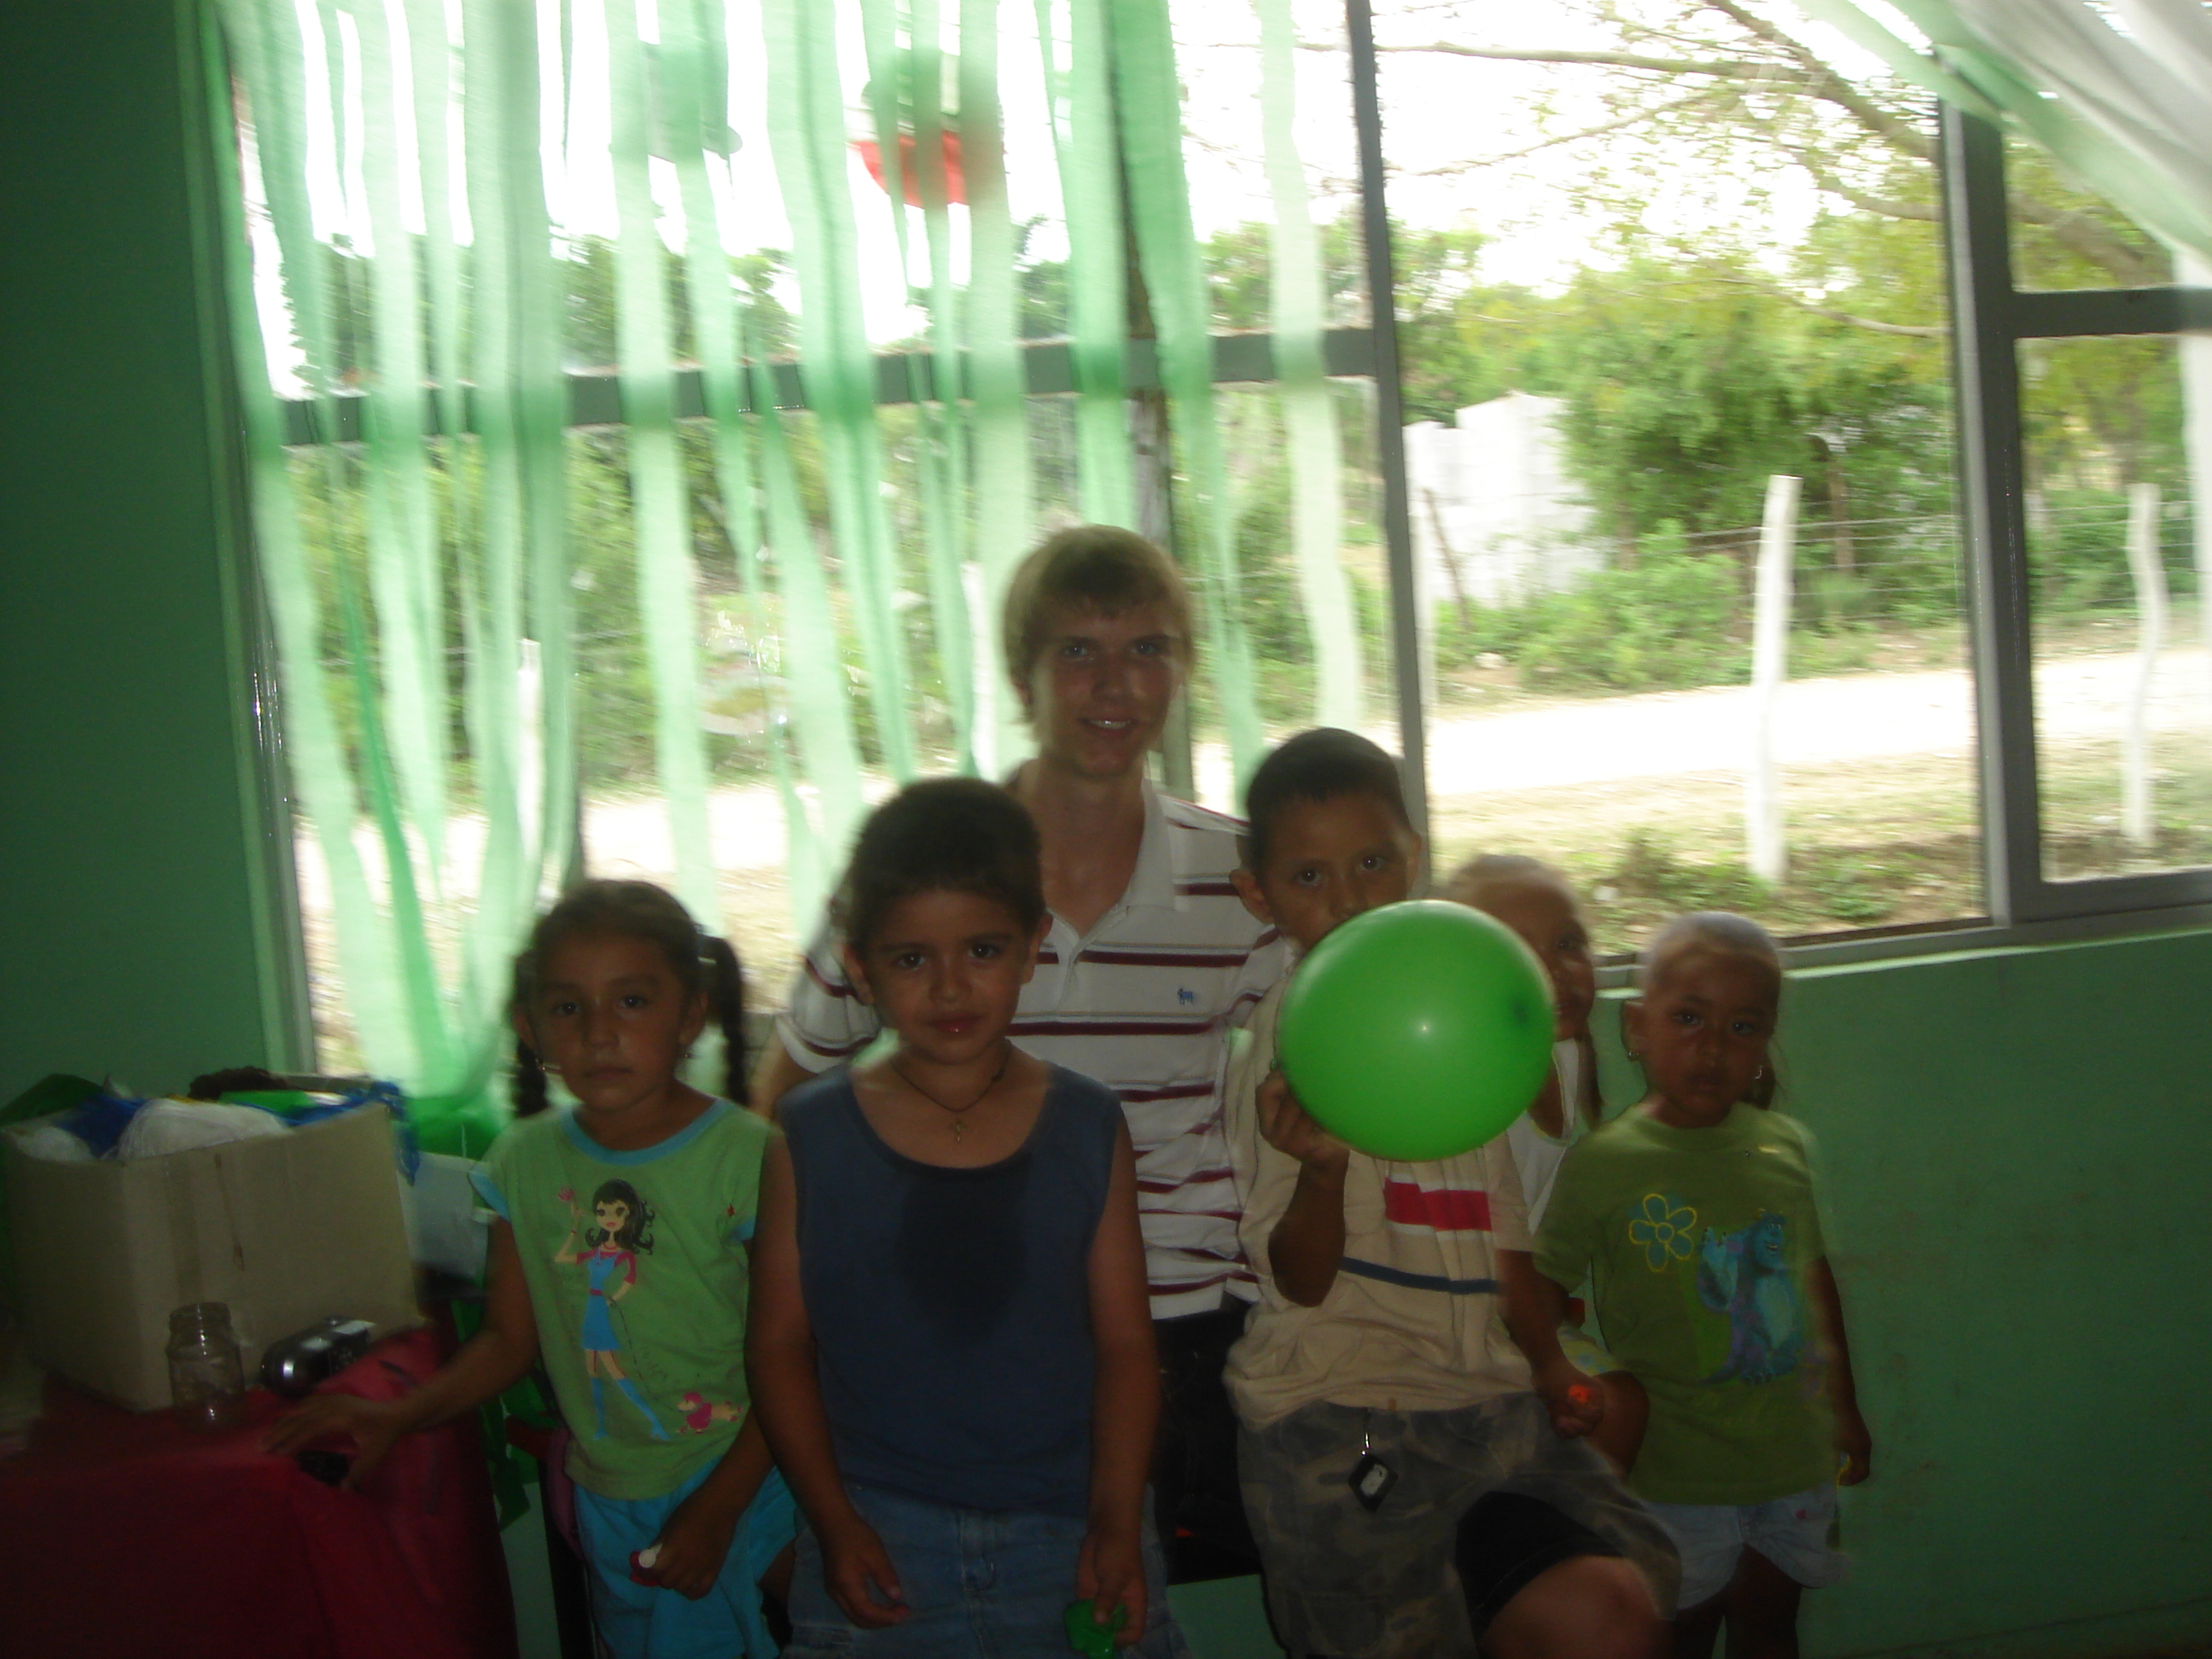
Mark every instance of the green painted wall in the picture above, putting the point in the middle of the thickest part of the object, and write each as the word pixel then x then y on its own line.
pixel 2018 1147
pixel 131 906
pixel 2018 1143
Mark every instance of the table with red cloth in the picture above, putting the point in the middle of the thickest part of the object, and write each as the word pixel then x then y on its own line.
pixel 125 1533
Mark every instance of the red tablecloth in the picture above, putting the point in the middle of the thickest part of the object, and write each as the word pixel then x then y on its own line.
pixel 124 1534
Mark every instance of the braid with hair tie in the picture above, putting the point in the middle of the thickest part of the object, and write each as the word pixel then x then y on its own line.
pixel 530 1095
pixel 726 996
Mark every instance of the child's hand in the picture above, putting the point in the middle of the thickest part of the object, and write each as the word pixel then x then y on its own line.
pixel 1110 1572
pixel 856 1570
pixel 1854 1445
pixel 693 1545
pixel 1290 1129
pixel 372 1425
pixel 1575 1400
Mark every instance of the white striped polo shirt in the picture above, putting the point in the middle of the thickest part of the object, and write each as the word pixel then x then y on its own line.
pixel 1143 1005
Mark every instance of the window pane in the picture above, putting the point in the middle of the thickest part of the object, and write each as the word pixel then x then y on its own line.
pixel 1280 600
pixel 2065 234
pixel 2123 709
pixel 1630 297
pixel 746 643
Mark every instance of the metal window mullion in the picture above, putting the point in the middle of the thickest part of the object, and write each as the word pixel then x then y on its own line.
pixel 1986 375
pixel 595 396
pixel 1389 411
pixel 2067 314
pixel 1989 318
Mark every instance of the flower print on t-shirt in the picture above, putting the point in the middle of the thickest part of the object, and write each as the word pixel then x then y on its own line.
pixel 1661 1226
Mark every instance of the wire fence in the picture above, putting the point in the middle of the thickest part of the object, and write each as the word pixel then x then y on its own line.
pixel 1674 610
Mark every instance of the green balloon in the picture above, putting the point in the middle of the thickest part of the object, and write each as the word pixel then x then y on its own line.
pixel 1417 1031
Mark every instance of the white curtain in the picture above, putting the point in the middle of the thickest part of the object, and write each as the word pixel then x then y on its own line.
pixel 2120 93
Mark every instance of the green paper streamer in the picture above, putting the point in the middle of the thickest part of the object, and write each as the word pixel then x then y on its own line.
pixel 418 978
pixel 402 532
pixel 1085 146
pixel 694 81
pixel 265 47
pixel 1146 89
pixel 519 407
pixel 821 712
pixel 491 576
pixel 659 503
pixel 1004 508
pixel 1315 448
pixel 900 82
pixel 806 136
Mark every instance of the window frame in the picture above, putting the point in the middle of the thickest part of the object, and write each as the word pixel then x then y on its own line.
pixel 1988 317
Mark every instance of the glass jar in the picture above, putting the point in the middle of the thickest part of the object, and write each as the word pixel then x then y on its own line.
pixel 207 1379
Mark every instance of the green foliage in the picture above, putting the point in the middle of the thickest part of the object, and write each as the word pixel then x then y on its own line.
pixel 1274 614
pixel 1691 368
pixel 2100 413
pixel 2078 557
pixel 1688 385
pixel 1673 619
pixel 1650 869
pixel 1669 621
pixel 1239 259
pixel 1827 886
pixel 1856 888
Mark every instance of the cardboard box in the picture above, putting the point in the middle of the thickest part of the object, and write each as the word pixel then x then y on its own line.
pixel 288 1230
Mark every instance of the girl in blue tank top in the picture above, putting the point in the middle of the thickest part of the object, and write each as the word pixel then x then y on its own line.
pixel 950 1346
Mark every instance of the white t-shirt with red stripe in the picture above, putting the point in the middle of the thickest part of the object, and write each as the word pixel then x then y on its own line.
pixel 1143 1005
pixel 1413 1322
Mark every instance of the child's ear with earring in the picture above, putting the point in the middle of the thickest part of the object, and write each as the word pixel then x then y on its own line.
pixel 1764 1084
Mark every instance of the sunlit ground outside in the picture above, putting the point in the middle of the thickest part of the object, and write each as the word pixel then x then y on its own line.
pixel 1640 798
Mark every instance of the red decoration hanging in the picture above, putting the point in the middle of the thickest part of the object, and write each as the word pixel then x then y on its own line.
pixel 955 185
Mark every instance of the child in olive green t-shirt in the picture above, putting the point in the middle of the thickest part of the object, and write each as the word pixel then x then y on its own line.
pixel 1694 1216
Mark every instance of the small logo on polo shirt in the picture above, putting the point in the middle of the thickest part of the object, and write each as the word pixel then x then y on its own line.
pixel 1185 995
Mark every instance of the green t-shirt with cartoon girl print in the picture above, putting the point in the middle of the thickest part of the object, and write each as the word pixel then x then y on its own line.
pixel 1697 1242
pixel 638 1276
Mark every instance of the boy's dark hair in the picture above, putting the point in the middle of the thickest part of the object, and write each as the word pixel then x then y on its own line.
pixel 701 962
pixel 960 834
pixel 1096 567
pixel 1317 765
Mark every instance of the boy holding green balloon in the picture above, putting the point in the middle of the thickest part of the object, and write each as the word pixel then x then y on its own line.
pixel 1400 1367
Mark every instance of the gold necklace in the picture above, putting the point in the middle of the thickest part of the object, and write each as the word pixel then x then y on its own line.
pixel 959 1113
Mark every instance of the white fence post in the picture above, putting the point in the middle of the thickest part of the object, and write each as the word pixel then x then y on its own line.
pixel 1767 854
pixel 2195 352
pixel 2136 821
pixel 984 730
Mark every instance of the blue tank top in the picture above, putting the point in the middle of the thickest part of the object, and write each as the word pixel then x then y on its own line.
pixel 952 1308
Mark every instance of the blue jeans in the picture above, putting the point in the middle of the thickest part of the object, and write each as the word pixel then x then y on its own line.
pixel 981 1585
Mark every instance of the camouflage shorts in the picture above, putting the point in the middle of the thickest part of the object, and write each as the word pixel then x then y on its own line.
pixel 1353 1584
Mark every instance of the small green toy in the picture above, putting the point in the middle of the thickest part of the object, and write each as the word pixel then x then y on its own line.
pixel 1086 1635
